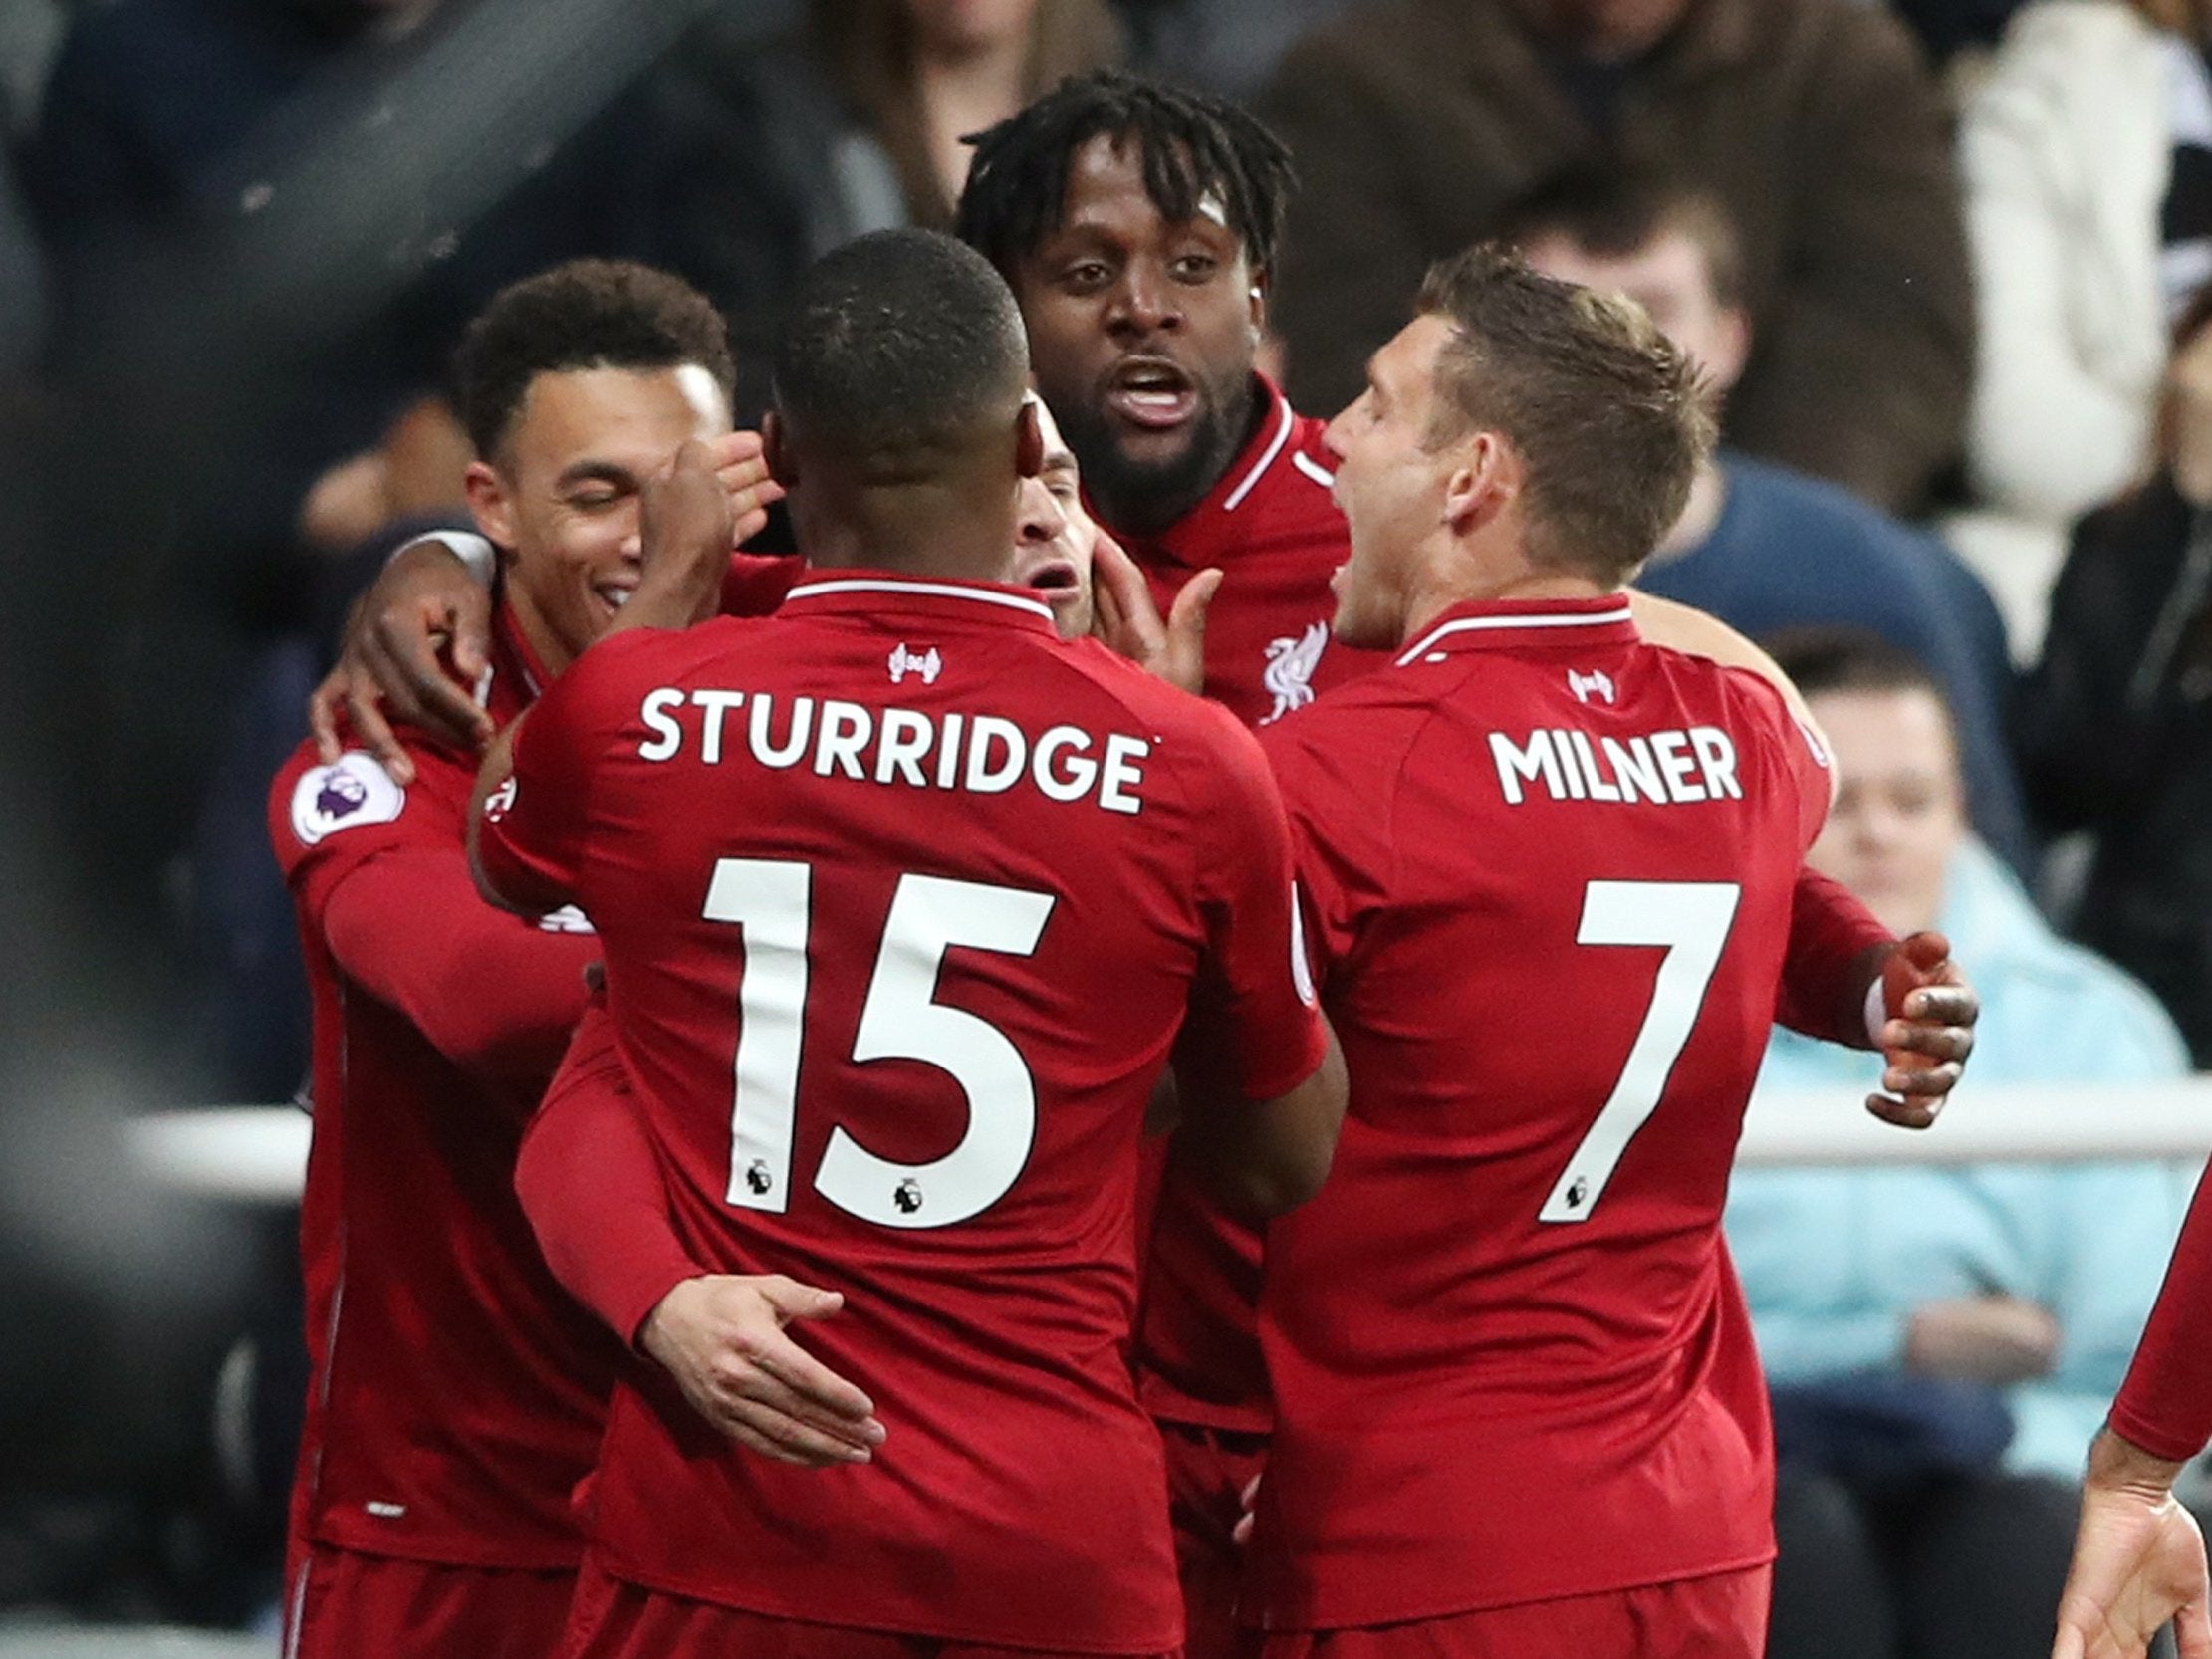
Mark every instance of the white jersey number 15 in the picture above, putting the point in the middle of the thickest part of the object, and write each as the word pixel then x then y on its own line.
pixel 771 901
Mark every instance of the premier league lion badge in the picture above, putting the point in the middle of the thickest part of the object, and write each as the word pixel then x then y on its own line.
pixel 353 790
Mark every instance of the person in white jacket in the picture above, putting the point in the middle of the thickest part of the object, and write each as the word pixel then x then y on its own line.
pixel 2067 151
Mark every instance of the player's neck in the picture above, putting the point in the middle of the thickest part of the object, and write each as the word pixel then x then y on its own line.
pixel 1485 570
pixel 916 531
pixel 1700 514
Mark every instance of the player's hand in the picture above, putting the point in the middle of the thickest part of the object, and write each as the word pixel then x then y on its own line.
pixel 721 1337
pixel 2138 1560
pixel 741 466
pixel 423 613
pixel 1994 1339
pixel 690 516
pixel 1929 1033
pixel 1129 623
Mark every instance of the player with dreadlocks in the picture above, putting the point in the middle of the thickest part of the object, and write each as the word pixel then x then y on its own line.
pixel 1137 224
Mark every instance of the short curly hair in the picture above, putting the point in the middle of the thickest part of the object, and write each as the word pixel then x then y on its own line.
pixel 585 313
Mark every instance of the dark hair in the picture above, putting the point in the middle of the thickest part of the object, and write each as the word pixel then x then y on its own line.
pixel 897 344
pixel 1604 413
pixel 1191 145
pixel 1821 660
pixel 1615 215
pixel 586 313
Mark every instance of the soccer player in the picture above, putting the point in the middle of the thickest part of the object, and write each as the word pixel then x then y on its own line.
pixel 2138 1557
pixel 456 1393
pixel 934 889
pixel 1518 1408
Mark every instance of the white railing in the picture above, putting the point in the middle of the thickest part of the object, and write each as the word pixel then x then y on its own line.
pixel 258 1154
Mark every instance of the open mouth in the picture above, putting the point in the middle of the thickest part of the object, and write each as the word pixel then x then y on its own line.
pixel 1057 581
pixel 614 598
pixel 1152 392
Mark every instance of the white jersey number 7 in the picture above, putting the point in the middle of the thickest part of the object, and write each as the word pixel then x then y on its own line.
pixel 1690 921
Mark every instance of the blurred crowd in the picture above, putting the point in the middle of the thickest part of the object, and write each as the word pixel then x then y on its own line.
pixel 1948 264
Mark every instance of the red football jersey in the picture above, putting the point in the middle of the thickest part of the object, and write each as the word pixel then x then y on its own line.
pixel 457 1393
pixel 904 900
pixel 1275 531
pixel 1551 871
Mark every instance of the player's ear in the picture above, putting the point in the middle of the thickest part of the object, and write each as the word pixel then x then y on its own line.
pixel 1263 284
pixel 1029 439
pixel 774 450
pixel 489 504
pixel 1485 476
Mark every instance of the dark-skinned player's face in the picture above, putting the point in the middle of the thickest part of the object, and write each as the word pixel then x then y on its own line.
pixel 1141 330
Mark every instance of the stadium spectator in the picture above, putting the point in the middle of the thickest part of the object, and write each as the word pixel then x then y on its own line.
pixel 2111 728
pixel 2086 158
pixel 1514 1283
pixel 456 1393
pixel 1759 546
pixel 1014 1499
pixel 1814 122
pixel 1942 1339
pixel 767 155
pixel 1225 47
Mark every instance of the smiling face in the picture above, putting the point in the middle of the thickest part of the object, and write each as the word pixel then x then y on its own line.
pixel 1142 333
pixel 1899 810
pixel 1391 484
pixel 560 496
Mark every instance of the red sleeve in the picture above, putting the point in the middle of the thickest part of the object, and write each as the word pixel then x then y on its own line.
pixel 379 876
pixel 1255 1011
pixel 531 840
pixel 2165 1407
pixel 591 1184
pixel 490 991
pixel 758 582
pixel 1824 976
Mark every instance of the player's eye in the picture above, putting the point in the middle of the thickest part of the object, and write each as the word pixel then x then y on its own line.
pixel 1086 276
pixel 1195 267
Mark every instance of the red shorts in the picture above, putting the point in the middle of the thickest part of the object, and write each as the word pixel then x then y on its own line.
pixel 612 1619
pixel 1207 1472
pixel 345 1605
pixel 1720 1617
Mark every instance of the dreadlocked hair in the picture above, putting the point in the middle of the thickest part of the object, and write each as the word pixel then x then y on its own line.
pixel 1191 145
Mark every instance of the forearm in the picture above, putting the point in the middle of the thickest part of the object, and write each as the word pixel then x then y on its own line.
pixel 1834 960
pixel 591 1184
pixel 491 996
pixel 1263 1157
pixel 2165 1407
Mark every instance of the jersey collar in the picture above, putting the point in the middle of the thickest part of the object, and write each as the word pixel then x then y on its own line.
pixel 1517 625
pixel 861 592
pixel 514 667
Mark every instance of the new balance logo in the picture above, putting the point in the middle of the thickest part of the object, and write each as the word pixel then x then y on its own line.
pixel 928 665
pixel 1596 683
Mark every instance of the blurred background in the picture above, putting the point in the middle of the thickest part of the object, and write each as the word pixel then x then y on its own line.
pixel 1945 259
